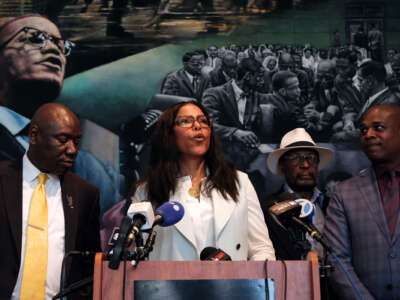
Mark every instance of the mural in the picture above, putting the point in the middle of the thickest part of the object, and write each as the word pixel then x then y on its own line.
pixel 317 64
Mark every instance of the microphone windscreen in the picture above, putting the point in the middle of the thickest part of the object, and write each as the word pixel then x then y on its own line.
pixel 171 213
pixel 307 209
pixel 145 209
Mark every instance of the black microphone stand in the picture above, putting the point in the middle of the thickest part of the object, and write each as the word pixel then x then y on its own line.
pixel 63 271
pixel 324 271
pixel 74 287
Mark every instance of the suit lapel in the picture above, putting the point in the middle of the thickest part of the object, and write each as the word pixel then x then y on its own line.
pixel 223 209
pixel 186 82
pixel 370 191
pixel 70 202
pixel 10 148
pixel 231 102
pixel 13 203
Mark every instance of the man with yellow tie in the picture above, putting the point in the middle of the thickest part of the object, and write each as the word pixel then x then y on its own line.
pixel 46 211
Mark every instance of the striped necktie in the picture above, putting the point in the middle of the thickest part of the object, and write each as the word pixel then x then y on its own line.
pixel 33 286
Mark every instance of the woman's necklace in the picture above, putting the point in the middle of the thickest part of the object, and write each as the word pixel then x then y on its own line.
pixel 194 191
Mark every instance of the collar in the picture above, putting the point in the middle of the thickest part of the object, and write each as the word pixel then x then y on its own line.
pixel 30 171
pixel 189 177
pixel 315 197
pixel 226 76
pixel 379 171
pixel 12 120
pixel 236 90
pixel 373 97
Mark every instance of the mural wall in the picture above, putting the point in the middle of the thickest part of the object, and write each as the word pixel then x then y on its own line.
pixel 134 58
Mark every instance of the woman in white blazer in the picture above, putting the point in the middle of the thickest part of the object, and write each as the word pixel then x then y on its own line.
pixel 221 207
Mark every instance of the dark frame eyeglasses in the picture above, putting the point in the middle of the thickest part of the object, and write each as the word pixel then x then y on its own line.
pixel 39 39
pixel 297 159
pixel 188 121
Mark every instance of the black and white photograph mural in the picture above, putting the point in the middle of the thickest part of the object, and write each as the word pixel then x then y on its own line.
pixel 259 67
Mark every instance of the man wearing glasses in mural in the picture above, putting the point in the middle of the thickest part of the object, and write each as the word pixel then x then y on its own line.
pixel 32 66
pixel 188 81
pixel 372 78
pixel 236 110
pixel 227 70
pixel 285 100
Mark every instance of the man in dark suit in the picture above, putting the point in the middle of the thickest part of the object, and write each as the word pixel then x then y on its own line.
pixel 33 57
pixel 287 63
pixel 237 114
pixel 227 70
pixel 70 206
pixel 372 76
pixel 234 106
pixel 298 161
pixel 285 100
pixel 188 81
pixel 362 223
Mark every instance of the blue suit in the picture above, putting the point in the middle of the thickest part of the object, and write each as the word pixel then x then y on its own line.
pixel 357 230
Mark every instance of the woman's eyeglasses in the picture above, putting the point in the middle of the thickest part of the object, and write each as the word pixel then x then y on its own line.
pixel 188 121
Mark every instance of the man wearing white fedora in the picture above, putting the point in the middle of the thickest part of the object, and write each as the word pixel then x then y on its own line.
pixel 298 160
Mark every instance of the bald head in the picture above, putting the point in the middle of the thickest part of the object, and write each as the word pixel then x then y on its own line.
pixel 54 136
pixel 386 108
pixel 53 113
pixel 31 70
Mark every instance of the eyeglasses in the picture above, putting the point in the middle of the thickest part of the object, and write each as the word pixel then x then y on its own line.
pixel 38 39
pixel 297 159
pixel 188 121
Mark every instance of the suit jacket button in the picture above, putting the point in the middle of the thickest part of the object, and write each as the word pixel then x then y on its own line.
pixel 389 287
pixel 237 246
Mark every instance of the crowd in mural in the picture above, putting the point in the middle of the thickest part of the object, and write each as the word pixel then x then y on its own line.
pixel 287 86
pixel 257 93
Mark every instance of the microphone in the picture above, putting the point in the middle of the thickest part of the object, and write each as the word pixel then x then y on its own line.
pixel 168 214
pixel 120 244
pixel 142 216
pixel 286 213
pixel 214 254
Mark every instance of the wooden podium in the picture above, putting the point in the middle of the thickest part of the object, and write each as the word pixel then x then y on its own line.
pixel 302 277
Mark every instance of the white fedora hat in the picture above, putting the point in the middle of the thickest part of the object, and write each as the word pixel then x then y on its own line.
pixel 298 139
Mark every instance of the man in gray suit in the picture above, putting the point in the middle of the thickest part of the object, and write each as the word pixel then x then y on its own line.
pixel 362 219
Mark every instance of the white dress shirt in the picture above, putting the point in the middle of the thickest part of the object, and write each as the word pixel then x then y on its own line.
pixel 201 212
pixel 56 226
pixel 15 124
pixel 240 99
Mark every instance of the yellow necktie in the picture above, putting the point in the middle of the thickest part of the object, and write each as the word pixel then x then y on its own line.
pixel 33 286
